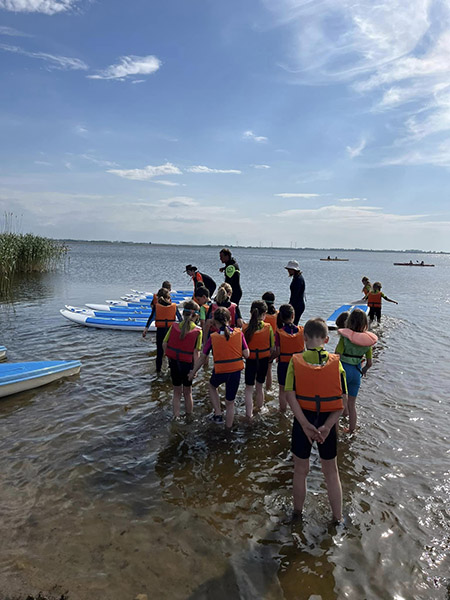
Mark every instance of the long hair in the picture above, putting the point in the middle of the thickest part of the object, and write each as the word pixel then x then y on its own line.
pixel 164 297
pixel 257 311
pixel 223 317
pixel 269 299
pixel 357 320
pixel 285 315
pixel 223 293
pixel 190 314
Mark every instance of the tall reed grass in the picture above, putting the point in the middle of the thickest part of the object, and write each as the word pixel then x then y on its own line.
pixel 26 253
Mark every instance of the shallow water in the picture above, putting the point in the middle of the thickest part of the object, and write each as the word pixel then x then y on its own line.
pixel 104 497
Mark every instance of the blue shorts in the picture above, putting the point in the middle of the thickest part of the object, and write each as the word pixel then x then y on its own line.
pixel 353 376
pixel 231 381
pixel 282 368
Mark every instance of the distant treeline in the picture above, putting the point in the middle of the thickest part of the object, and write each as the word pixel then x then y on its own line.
pixel 26 253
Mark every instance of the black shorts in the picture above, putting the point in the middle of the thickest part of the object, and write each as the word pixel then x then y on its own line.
pixel 231 381
pixel 282 368
pixel 375 311
pixel 300 445
pixel 256 368
pixel 179 372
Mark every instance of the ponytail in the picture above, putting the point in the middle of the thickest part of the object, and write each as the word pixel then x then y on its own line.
pixel 257 310
pixel 222 295
pixel 190 315
pixel 223 317
pixel 164 297
pixel 269 298
pixel 285 314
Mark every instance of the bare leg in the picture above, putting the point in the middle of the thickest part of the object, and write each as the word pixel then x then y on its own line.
pixel 176 400
pixel 229 417
pixel 334 489
pixel 249 401
pixel 269 377
pixel 215 400
pixel 188 401
pixel 259 396
pixel 352 413
pixel 301 470
pixel 282 399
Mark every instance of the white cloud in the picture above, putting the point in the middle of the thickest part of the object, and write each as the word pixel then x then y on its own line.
pixel 81 129
pixel 147 172
pixel 352 199
pixel 289 195
pixel 43 163
pixel 261 166
pixel 203 169
pixel 165 182
pixel 48 7
pixel 98 161
pixel 10 31
pixel 56 62
pixel 256 138
pixel 356 150
pixel 129 66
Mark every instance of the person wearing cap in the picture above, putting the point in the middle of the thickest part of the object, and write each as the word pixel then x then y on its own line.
pixel 297 299
pixel 201 279
pixel 232 274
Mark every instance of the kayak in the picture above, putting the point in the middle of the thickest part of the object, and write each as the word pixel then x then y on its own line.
pixel 331 321
pixel 110 314
pixel 335 259
pixel 18 377
pixel 124 324
pixel 2 352
pixel 408 264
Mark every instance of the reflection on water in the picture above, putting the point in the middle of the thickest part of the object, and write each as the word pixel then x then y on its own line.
pixel 104 496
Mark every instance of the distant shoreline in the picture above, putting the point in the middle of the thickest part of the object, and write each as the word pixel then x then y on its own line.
pixel 334 250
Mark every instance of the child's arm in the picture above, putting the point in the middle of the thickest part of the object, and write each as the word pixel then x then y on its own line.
pixel 150 319
pixel 331 421
pixel 272 345
pixel 198 364
pixel 308 428
pixel 340 346
pixel 389 300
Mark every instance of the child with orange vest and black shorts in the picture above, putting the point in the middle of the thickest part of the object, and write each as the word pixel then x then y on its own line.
pixel 288 341
pixel 374 300
pixel 229 348
pixel 182 345
pixel 164 314
pixel 271 318
pixel 261 343
pixel 315 386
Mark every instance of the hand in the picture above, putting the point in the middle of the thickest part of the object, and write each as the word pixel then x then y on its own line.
pixel 191 375
pixel 310 431
pixel 144 333
pixel 222 269
pixel 323 433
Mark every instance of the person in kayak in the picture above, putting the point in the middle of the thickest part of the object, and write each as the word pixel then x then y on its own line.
pixel 201 279
pixel 232 274
pixel 297 299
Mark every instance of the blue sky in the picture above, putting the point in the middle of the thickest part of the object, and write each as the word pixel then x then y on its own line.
pixel 290 122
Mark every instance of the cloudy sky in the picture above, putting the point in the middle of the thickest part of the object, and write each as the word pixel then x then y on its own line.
pixel 306 122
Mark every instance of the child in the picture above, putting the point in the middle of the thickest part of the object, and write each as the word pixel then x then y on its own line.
pixel 342 319
pixel 229 348
pixel 288 341
pixel 354 343
pixel 164 313
pixel 261 343
pixel 202 299
pixel 222 299
pixel 182 345
pixel 315 385
pixel 271 318
pixel 367 287
pixel 374 302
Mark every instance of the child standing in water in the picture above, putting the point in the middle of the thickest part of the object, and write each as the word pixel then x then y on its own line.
pixel 367 287
pixel 261 343
pixel 374 300
pixel 229 348
pixel 271 318
pixel 288 341
pixel 315 386
pixel 182 345
pixel 164 313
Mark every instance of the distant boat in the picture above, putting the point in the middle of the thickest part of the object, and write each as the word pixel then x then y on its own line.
pixel 335 259
pixel 411 264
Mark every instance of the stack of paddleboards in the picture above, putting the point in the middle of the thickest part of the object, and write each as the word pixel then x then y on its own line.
pixel 19 377
pixel 130 313
pixel 331 321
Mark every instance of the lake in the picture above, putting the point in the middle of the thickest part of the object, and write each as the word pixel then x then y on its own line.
pixel 104 497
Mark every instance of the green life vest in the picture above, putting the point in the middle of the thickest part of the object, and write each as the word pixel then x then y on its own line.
pixel 353 354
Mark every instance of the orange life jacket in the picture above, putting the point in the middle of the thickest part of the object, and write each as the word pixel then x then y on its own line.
pixel 272 320
pixel 197 278
pixel 227 354
pixel 290 343
pixel 259 345
pixel 318 387
pixel 182 349
pixel 231 309
pixel 374 299
pixel 165 315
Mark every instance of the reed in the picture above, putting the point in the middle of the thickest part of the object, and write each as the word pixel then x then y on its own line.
pixel 26 253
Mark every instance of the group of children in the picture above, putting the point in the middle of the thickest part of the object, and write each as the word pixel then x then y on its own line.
pixel 318 386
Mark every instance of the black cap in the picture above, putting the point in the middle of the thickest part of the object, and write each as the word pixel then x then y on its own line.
pixel 190 268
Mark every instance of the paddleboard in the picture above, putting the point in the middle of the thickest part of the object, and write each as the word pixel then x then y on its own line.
pixel 18 377
pixel 2 352
pixel 124 324
pixel 331 321
pixel 109 314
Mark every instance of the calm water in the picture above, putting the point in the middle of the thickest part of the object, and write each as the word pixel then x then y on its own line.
pixel 103 496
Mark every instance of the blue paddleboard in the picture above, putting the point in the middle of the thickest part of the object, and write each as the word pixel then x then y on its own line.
pixel 331 321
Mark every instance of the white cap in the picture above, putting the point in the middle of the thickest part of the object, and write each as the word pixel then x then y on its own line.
pixel 293 264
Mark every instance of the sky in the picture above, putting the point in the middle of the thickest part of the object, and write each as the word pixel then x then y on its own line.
pixel 296 123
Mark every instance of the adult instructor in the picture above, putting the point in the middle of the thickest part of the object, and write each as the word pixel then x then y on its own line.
pixel 297 299
pixel 232 274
